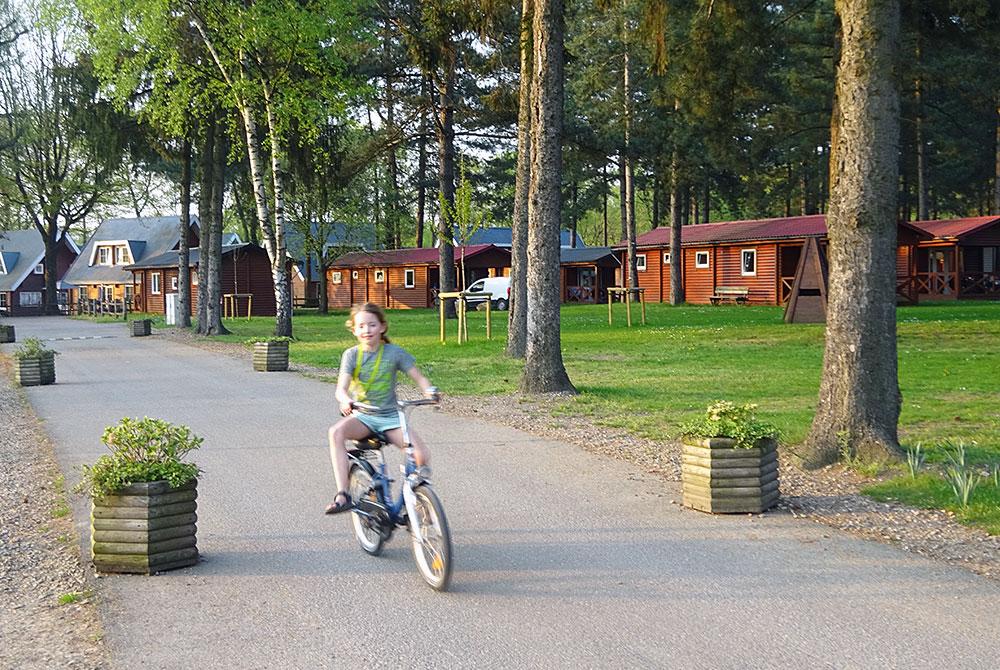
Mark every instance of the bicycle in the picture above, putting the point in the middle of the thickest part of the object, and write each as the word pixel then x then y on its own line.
pixel 377 514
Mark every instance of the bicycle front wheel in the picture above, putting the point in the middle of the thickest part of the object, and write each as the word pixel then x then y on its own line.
pixel 432 544
pixel 367 526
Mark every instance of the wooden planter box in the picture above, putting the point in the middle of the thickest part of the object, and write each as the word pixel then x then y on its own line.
pixel 270 356
pixel 35 371
pixel 7 334
pixel 145 528
pixel 719 478
pixel 141 327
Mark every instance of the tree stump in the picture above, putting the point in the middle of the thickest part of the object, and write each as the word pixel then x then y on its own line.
pixel 6 334
pixel 145 528
pixel 270 356
pixel 717 477
pixel 35 370
pixel 141 327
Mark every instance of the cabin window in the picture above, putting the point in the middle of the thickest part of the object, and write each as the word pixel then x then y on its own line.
pixel 173 284
pixel 748 262
pixel 39 269
pixel 701 259
pixel 989 259
pixel 3 300
pixel 31 298
pixel 666 258
pixel 338 277
pixel 121 256
pixel 129 291
pixel 104 255
pixel 640 262
pixel 380 276
pixel 409 278
pixel 154 283
pixel 354 274
pixel 194 278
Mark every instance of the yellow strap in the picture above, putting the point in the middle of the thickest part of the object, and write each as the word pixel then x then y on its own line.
pixel 357 367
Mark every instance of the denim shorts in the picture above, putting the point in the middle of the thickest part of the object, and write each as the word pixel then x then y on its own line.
pixel 378 423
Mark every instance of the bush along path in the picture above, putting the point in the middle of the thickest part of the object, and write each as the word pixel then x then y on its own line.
pixel 49 616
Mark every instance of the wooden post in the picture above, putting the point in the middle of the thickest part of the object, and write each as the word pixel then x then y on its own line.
pixel 628 307
pixel 489 328
pixel 642 301
pixel 609 304
pixel 441 313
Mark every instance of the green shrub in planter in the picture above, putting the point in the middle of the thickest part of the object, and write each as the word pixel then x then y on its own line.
pixel 34 364
pixel 143 516
pixel 729 461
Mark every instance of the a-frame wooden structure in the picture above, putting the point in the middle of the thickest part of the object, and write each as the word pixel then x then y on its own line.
pixel 807 302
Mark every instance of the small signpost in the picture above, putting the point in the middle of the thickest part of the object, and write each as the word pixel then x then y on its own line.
pixel 460 298
pixel 627 293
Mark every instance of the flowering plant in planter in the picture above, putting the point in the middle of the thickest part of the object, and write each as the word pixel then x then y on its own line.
pixel 142 450
pixel 737 422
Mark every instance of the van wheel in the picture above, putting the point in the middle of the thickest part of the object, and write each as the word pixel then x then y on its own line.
pixel 501 304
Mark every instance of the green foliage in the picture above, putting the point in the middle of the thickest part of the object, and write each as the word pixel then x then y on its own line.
pixel 32 347
pixel 931 491
pixel 915 459
pixel 267 339
pixel 963 479
pixel 727 419
pixel 142 450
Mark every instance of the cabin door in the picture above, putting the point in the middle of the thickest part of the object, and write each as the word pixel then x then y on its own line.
pixel 939 271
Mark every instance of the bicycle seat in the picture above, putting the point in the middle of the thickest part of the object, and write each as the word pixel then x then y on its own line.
pixel 368 444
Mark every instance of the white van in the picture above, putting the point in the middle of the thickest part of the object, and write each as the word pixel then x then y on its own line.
pixel 497 287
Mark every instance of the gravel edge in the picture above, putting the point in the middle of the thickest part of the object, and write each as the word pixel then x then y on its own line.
pixel 40 551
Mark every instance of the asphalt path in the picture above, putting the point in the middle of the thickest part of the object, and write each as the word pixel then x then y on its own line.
pixel 562 558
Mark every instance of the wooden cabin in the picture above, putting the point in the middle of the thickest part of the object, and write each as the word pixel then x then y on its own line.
pixel 100 273
pixel 760 256
pixel 245 276
pixel 960 260
pixel 22 271
pixel 406 278
pixel 586 273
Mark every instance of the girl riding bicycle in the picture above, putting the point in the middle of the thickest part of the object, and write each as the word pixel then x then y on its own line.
pixel 368 375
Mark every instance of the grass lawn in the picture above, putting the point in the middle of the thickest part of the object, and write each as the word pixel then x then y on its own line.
pixel 650 379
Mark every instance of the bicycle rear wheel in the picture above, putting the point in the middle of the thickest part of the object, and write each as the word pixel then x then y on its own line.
pixel 367 526
pixel 432 548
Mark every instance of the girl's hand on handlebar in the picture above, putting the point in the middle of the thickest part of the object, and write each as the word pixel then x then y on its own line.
pixel 346 407
pixel 432 393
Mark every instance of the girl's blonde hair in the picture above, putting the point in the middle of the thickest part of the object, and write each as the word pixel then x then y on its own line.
pixel 371 308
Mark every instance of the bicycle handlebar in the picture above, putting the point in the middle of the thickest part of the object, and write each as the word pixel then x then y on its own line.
pixel 401 403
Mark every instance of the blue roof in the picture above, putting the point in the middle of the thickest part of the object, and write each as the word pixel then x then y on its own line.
pixel 502 236
pixel 341 236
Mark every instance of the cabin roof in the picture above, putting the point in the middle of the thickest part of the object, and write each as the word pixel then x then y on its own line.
pixel 393 257
pixel 957 228
pixel 792 227
pixel 20 252
pixel 169 259
pixel 588 255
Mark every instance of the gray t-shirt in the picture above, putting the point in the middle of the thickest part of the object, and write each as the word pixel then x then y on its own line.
pixel 376 387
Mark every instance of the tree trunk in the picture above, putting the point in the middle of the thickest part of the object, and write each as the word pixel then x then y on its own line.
pixel 676 253
pixel 622 200
pixel 517 317
pixel 604 200
pixel 996 167
pixel 543 367
pixel 392 215
pixel 324 287
pixel 922 207
pixel 574 189
pixel 656 202
pixel 859 398
pixel 422 164
pixel 279 262
pixel 183 251
pixel 446 182
pixel 51 237
pixel 205 181
pixel 708 202
pixel 213 297
pixel 628 171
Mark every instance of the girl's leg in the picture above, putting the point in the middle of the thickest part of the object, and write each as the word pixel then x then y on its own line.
pixel 421 454
pixel 348 428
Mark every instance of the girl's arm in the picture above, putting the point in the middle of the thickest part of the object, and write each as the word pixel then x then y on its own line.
pixel 342 395
pixel 421 381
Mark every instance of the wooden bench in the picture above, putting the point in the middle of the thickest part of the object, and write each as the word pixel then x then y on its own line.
pixel 737 294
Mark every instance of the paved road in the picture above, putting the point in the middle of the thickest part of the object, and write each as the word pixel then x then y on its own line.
pixel 564 559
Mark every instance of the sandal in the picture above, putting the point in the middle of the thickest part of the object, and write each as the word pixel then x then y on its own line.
pixel 337 507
